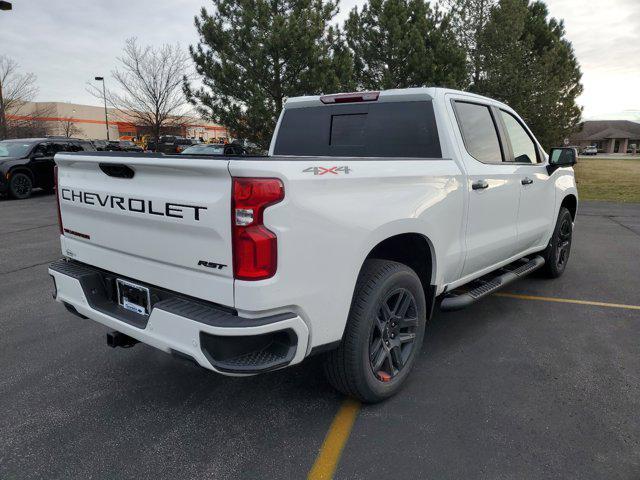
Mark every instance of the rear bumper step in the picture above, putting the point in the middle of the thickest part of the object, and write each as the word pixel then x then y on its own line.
pixel 459 299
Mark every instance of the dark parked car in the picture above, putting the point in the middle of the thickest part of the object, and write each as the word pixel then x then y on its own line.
pixel 101 145
pixel 129 146
pixel 214 149
pixel 113 146
pixel 27 163
pixel 171 145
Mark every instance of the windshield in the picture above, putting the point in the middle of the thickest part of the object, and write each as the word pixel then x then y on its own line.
pixel 204 150
pixel 14 149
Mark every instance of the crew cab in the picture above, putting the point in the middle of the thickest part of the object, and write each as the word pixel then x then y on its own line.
pixel 369 209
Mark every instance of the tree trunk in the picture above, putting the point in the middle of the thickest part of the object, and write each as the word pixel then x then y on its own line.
pixel 156 134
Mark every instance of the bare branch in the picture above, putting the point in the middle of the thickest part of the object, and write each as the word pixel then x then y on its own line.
pixel 16 90
pixel 148 89
pixel 32 121
pixel 68 127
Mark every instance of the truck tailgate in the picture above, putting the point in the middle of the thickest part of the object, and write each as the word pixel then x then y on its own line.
pixel 168 224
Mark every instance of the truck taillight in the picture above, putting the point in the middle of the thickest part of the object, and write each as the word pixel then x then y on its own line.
pixel 57 193
pixel 255 247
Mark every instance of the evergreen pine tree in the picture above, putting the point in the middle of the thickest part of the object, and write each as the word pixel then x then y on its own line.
pixel 530 65
pixel 253 54
pixel 403 43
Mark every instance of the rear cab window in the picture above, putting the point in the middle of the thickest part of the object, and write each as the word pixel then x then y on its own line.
pixel 479 131
pixel 376 129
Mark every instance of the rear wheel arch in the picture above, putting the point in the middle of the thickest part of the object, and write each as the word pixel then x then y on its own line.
pixel 413 250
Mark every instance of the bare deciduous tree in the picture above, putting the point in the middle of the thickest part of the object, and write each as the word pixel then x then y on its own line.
pixel 68 127
pixel 16 90
pixel 149 86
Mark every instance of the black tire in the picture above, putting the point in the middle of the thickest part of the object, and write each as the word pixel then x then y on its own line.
pixel 556 255
pixel 373 332
pixel 20 186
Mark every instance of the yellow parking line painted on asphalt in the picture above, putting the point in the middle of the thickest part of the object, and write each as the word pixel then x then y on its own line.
pixel 567 300
pixel 337 436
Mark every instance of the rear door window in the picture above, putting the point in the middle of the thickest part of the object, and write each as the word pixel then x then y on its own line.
pixel 385 129
pixel 479 132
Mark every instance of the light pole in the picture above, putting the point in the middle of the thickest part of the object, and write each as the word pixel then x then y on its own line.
pixel 104 96
pixel 3 120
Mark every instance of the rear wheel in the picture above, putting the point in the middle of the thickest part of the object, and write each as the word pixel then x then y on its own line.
pixel 20 186
pixel 556 255
pixel 383 335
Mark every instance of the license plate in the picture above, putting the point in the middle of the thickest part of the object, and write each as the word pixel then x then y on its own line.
pixel 134 298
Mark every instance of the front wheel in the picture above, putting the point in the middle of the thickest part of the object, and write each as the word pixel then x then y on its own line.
pixel 20 186
pixel 383 335
pixel 556 255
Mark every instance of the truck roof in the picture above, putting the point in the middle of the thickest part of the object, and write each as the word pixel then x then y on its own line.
pixel 392 95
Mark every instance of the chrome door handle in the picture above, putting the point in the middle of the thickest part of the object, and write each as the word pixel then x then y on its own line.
pixel 526 181
pixel 480 185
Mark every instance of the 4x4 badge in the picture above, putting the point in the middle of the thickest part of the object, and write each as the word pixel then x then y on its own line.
pixel 325 170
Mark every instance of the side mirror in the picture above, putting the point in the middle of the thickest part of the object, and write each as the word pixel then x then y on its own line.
pixel 562 157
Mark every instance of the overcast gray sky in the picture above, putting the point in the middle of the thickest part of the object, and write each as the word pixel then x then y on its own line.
pixel 68 43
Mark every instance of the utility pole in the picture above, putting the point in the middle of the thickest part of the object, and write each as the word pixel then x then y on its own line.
pixel 104 96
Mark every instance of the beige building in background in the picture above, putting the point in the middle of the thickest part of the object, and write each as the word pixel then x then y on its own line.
pixel 88 121
pixel 609 136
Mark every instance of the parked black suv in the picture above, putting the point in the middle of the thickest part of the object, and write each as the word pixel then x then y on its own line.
pixel 129 146
pixel 101 145
pixel 122 146
pixel 27 163
pixel 170 144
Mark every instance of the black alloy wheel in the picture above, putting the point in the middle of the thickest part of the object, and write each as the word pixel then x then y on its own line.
pixel 393 335
pixel 383 335
pixel 563 242
pixel 556 255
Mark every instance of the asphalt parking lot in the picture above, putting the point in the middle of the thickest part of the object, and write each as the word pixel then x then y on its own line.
pixel 514 387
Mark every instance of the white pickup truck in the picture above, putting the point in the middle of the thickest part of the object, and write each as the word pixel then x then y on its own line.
pixel 369 208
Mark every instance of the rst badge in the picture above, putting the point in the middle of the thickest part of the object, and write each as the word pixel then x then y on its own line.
pixel 337 170
pixel 214 265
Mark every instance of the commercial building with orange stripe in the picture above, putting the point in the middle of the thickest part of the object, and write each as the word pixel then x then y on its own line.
pixel 89 122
